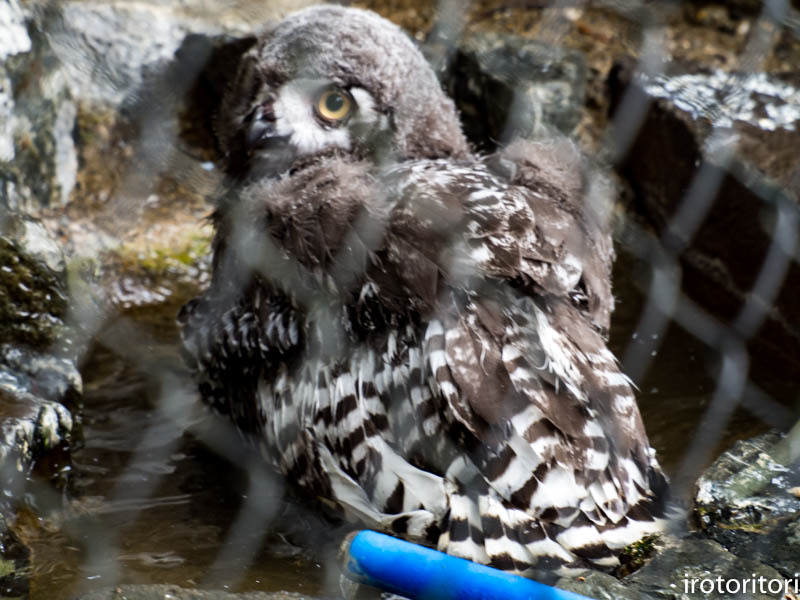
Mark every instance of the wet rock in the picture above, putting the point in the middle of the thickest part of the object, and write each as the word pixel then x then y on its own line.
pixel 742 131
pixel 30 428
pixel 14 564
pixel 110 49
pixel 60 59
pixel 141 218
pixel 39 383
pixel 748 511
pixel 682 569
pixel 507 86
pixel 601 586
pixel 145 100
pixel 686 569
pixel 38 163
pixel 40 387
pixel 160 592
pixel 33 298
pixel 746 501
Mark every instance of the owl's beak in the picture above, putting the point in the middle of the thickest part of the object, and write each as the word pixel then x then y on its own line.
pixel 262 133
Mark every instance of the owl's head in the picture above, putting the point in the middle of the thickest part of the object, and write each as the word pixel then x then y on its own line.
pixel 334 79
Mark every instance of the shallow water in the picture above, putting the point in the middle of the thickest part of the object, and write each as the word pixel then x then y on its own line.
pixel 675 391
pixel 151 504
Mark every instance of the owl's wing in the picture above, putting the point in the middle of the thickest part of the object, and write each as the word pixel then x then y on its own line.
pixel 226 343
pixel 516 352
pixel 519 216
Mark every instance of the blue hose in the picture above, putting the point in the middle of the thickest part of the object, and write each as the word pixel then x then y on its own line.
pixel 420 573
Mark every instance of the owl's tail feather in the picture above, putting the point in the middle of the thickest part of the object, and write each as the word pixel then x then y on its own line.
pixel 484 528
pixel 462 534
pixel 417 525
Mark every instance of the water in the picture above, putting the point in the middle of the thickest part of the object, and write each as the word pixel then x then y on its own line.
pixel 151 504
pixel 675 391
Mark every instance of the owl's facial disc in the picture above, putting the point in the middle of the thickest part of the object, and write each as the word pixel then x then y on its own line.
pixel 306 117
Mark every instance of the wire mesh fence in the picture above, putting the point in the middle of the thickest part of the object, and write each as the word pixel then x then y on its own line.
pixel 162 492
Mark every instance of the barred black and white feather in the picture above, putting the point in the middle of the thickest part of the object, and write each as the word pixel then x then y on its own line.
pixel 413 334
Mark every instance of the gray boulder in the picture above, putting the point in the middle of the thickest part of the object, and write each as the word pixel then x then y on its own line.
pixel 38 162
pixel 507 86
pixel 747 501
pixel 40 387
pixel 698 569
pixel 39 381
pixel 160 592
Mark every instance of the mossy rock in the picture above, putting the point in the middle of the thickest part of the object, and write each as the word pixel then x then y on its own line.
pixel 14 564
pixel 33 294
pixel 634 556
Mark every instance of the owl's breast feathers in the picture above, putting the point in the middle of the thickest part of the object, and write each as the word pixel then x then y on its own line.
pixel 474 402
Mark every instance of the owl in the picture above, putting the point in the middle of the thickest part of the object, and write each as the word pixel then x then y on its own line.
pixel 410 333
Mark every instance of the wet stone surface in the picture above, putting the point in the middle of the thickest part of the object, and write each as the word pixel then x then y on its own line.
pixel 110 50
pixel 601 586
pixel 38 161
pixel 39 384
pixel 30 427
pixel 38 381
pixel 747 501
pixel 676 570
pixel 15 563
pixel 679 567
pixel 33 295
pixel 171 592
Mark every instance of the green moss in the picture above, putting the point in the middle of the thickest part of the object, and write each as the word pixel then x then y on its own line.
pixel 160 261
pixel 634 556
pixel 763 527
pixel 7 567
pixel 15 569
pixel 33 299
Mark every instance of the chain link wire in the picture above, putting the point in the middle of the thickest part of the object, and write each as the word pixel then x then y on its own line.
pixel 666 304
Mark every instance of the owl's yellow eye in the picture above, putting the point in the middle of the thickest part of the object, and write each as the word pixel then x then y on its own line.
pixel 334 105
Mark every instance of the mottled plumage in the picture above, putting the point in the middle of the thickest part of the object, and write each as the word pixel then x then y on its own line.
pixel 413 334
